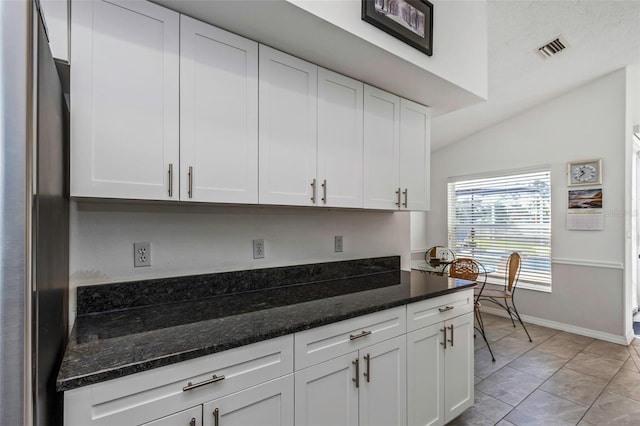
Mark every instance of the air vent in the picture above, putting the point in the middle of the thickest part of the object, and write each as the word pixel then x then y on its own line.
pixel 552 48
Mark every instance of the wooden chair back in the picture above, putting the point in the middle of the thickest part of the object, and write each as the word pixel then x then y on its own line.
pixel 513 271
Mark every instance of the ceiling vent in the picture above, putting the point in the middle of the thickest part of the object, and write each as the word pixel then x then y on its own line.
pixel 552 48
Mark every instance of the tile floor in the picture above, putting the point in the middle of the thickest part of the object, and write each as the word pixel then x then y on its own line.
pixel 559 379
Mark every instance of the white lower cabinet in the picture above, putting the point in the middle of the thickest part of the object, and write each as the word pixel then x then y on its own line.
pixel 246 381
pixel 190 417
pixel 411 365
pixel 268 404
pixel 359 375
pixel 440 359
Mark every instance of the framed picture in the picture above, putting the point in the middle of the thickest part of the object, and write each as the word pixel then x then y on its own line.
pixel 408 20
pixel 582 173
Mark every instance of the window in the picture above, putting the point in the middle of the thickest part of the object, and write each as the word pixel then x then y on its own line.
pixel 492 216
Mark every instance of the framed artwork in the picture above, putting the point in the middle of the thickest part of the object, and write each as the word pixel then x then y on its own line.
pixel 587 172
pixel 408 20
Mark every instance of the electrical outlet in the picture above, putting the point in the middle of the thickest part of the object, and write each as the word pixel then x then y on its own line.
pixel 258 249
pixel 337 242
pixel 141 254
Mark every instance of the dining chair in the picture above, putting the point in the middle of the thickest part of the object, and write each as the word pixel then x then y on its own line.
pixel 504 297
pixel 472 270
pixel 440 253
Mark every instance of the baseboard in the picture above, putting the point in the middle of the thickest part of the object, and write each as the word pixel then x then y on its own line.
pixel 600 335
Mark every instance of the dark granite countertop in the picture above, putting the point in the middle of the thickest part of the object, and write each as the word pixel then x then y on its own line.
pixel 105 345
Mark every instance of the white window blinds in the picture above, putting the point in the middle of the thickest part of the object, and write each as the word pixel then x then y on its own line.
pixel 490 217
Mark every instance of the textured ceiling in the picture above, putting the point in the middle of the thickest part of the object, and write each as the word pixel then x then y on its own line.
pixel 602 36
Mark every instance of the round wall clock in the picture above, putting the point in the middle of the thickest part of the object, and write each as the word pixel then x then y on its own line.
pixel 588 172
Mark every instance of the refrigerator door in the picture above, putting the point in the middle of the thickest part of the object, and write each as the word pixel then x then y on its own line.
pixel 16 119
pixel 50 238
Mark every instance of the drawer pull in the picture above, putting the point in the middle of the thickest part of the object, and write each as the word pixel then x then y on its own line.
pixel 357 336
pixel 206 382
pixel 356 379
pixel 192 422
pixel 445 309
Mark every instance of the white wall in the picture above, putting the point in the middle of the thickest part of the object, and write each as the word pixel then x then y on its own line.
pixel 589 122
pixel 195 239
pixel 459 38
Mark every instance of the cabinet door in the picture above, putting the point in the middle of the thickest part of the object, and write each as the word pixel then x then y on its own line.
pixel 190 417
pixel 415 155
pixel 326 393
pixel 218 115
pixel 124 100
pixel 425 381
pixel 268 404
pixel 383 383
pixel 287 128
pixel 381 149
pixel 340 140
pixel 458 371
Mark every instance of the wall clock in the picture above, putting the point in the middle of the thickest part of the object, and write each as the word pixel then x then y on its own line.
pixel 588 172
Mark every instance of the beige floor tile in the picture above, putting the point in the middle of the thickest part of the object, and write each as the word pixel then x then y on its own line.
pixel 627 384
pixel 538 333
pixel 574 386
pixel 630 365
pixel 595 365
pixel 539 364
pixel 576 338
pixel 484 367
pixel 607 349
pixel 486 410
pixel 542 408
pixel 560 347
pixel 495 333
pixel 509 385
pixel 511 346
pixel 504 423
pixel 613 409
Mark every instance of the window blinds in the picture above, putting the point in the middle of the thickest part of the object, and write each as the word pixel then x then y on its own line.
pixel 490 217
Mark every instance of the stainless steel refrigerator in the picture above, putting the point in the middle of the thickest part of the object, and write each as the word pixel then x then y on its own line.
pixel 34 220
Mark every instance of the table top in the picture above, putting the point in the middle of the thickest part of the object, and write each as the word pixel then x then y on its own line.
pixel 440 269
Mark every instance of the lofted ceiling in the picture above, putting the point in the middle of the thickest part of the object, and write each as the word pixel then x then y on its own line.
pixel 602 36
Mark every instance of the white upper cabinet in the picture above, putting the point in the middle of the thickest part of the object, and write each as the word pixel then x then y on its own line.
pixel 218 115
pixel 396 152
pixel 415 155
pixel 124 100
pixel 381 149
pixel 340 140
pixel 287 129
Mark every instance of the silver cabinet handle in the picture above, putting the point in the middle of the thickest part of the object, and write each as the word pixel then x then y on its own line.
pixel 356 380
pixel 445 309
pixel 398 195
pixel 444 342
pixel 451 328
pixel 406 197
pixel 170 180
pixel 357 336
pixel 206 382
pixel 367 374
pixel 192 422
pixel 216 417
pixel 190 190
pixel 313 191
pixel 324 191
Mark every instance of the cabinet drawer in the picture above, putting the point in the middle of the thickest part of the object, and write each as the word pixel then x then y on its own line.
pixel 333 340
pixel 431 311
pixel 161 391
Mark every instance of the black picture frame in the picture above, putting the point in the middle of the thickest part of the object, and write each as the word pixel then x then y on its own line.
pixel 388 16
